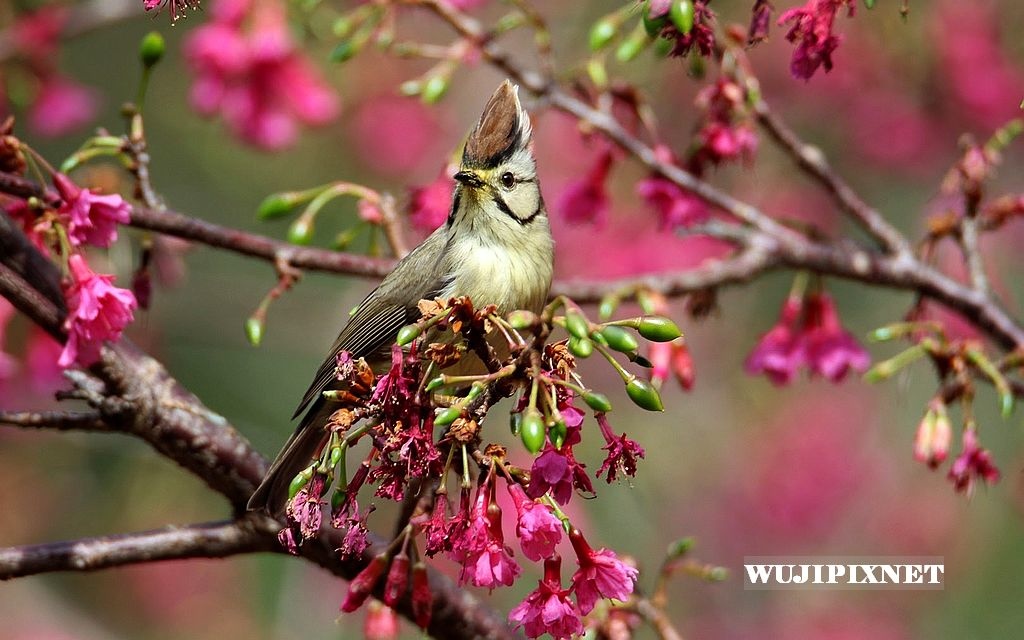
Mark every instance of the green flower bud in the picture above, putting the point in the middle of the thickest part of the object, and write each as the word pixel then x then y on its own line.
pixel 435 384
pixel 658 329
pixel 870 4
pixel 680 547
pixel 632 46
pixel 576 325
pixel 299 481
pixel 345 51
pixel 681 13
pixel 643 394
pixel 301 231
pixel 341 26
pixel 335 457
pixel 607 307
pixel 653 26
pixel 254 330
pixel 522 319
pixel 620 339
pixel 515 423
pixel 151 49
pixel 597 401
pixel 557 432
pixel 435 89
pixel 407 334
pixel 581 347
pixel 448 416
pixel 663 47
pixel 602 33
pixel 276 205
pixel 531 431
pixel 717 574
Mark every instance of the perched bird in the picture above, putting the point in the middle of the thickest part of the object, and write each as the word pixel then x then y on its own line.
pixel 495 248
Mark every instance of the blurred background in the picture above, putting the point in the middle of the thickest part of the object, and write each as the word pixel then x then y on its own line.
pixel 746 467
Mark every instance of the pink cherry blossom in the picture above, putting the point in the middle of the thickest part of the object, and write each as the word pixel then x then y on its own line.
pixel 430 204
pixel 97 311
pixel 972 464
pixel 250 71
pixel 675 206
pixel 548 609
pixel 537 528
pixel 8 364
pixel 486 559
pixel 381 622
pixel 812 33
pixel 600 575
pixel 61 106
pixel 780 352
pixel 831 351
pixel 91 218
pixel 585 200
pixel 622 452
pixel 176 8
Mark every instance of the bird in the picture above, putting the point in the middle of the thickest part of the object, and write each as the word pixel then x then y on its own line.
pixel 494 248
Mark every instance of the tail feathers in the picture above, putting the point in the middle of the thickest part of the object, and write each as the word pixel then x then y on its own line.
pixel 295 456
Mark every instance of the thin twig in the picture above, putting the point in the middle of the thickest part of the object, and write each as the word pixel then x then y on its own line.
pixel 58 420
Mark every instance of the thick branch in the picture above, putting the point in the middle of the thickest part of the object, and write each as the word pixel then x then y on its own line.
pixel 213 540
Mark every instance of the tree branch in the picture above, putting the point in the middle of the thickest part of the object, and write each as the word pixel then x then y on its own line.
pixel 57 420
pixel 212 540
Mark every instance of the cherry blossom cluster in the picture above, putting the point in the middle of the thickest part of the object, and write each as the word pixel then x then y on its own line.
pixel 63 226
pixel 250 71
pixel 424 429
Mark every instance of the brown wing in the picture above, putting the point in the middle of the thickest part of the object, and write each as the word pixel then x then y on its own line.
pixel 386 310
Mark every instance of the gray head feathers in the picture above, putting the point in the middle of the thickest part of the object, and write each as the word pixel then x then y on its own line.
pixel 503 128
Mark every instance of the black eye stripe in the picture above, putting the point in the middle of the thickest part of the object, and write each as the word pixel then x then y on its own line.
pixel 505 209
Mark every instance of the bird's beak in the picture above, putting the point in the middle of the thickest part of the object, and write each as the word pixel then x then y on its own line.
pixel 469 178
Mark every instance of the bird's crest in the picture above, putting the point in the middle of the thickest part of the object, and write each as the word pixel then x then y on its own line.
pixel 503 128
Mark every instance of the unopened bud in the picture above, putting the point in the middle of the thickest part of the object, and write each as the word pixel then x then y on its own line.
pixel 301 231
pixel 681 13
pixel 448 416
pixel 597 401
pixel 299 481
pixel 345 51
pixel 558 432
pixel 434 89
pixel 602 33
pixel 151 49
pixel 620 339
pixel 934 433
pixel 632 46
pixel 422 598
pixel 522 319
pixel 531 431
pixel 576 325
pixel 435 384
pixel 398 579
pixel 680 547
pixel 254 330
pixel 581 347
pixel 654 25
pixel 658 329
pixel 407 334
pixel 643 394
pixel 276 205
pixel 362 585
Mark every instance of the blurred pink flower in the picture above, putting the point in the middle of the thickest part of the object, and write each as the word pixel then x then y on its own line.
pixel 721 141
pixel 934 433
pixel 831 351
pixel 548 609
pixel 972 463
pixel 430 204
pixel 812 34
pixel 97 311
pixel 780 352
pixel 586 199
pixel 760 22
pixel 61 106
pixel 36 35
pixel 250 70
pixel 381 622
pixel 8 365
pixel 675 207
pixel 91 218
pixel 600 575
pixel 394 135
pixel 41 356
pixel 464 4
pixel 976 72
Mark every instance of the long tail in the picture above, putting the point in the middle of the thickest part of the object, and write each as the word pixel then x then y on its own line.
pixel 295 456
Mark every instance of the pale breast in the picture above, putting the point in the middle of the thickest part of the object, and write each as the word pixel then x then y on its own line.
pixel 511 278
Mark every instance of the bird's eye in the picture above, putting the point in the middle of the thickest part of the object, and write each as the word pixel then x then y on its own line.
pixel 508 180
